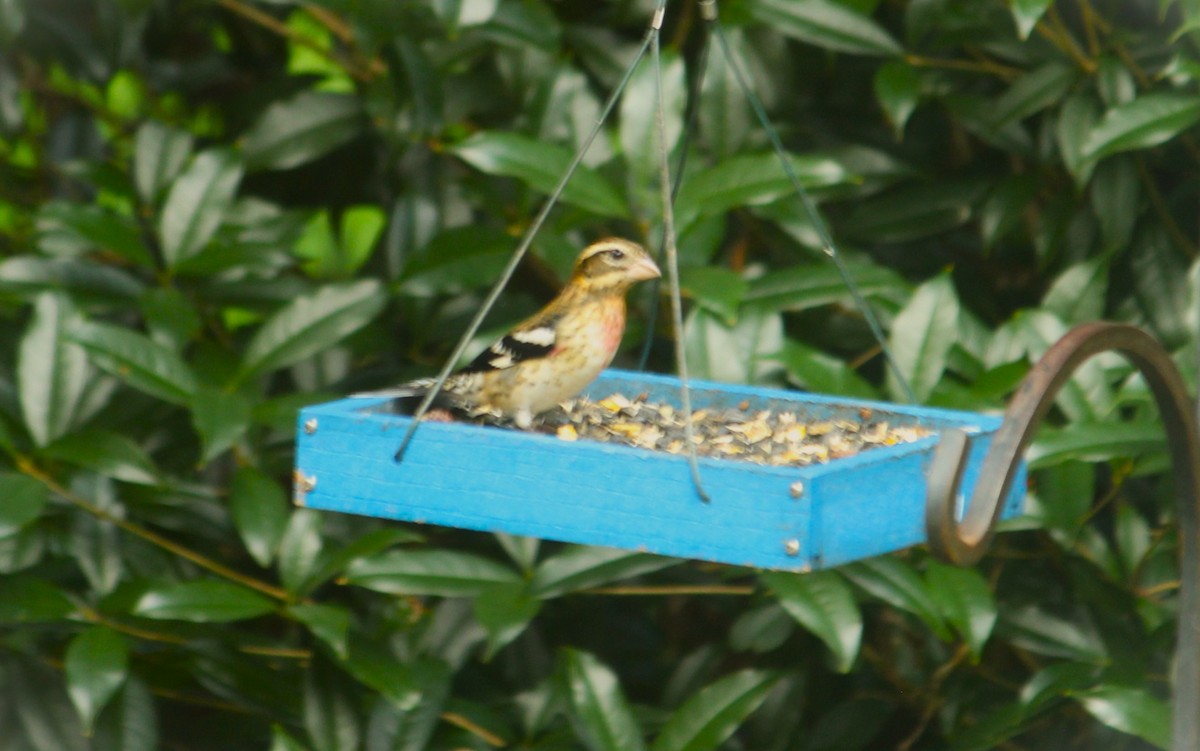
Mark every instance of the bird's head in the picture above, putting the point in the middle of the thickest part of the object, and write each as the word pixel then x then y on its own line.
pixel 614 264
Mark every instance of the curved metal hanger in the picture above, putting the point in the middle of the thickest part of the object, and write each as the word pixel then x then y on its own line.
pixel 964 542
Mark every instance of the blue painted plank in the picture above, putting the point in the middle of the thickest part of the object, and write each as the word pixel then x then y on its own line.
pixel 535 485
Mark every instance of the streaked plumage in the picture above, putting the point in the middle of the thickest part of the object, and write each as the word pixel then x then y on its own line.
pixel 557 352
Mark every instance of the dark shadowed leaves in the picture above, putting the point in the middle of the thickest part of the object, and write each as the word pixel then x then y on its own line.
pixel 823 603
pixel 294 131
pixel 598 705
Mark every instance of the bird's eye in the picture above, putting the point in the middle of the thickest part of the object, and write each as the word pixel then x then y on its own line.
pixel 615 253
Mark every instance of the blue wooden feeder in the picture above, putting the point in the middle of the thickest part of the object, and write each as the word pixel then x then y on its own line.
pixel 531 484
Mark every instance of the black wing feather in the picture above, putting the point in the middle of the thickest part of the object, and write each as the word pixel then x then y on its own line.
pixel 512 350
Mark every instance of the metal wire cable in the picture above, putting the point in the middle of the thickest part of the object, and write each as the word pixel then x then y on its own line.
pixel 690 118
pixel 522 248
pixel 810 208
pixel 672 254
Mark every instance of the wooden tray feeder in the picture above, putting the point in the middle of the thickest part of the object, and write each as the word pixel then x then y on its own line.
pixel 836 509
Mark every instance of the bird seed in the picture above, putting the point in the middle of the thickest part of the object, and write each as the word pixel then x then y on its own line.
pixel 783 438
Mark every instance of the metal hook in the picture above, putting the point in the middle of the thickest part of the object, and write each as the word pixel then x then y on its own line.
pixel 965 542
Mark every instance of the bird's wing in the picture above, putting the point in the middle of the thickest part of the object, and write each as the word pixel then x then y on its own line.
pixel 528 342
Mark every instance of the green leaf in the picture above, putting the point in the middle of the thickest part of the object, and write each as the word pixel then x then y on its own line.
pixel 25 599
pixel 752 179
pixel 66 228
pixel 159 153
pixel 221 419
pixel 361 228
pixel 197 204
pixel 1094 442
pixel 130 723
pixel 318 247
pixel 823 603
pixel 260 512
pixel 1078 294
pixel 898 90
pixel 965 601
pixel 820 373
pixel 42 709
pixel 295 131
pixel 1053 683
pixel 52 371
pixel 22 499
pixel 716 289
pixel 505 610
pixel 136 359
pixel 583 567
pixel 922 334
pixel 459 260
pixel 713 714
pixel 1147 121
pixel 408 725
pixel 281 741
pixel 108 453
pixel 171 317
pixel 812 285
pixel 725 118
pixel 638 129
pixel 1033 92
pixel 540 165
pixel 329 623
pixel 1130 710
pixel 202 601
pixel 1077 116
pixel 328 256
pixel 429 572
pixel 914 212
pixel 742 353
pixel 300 549
pixel 329 711
pixel 84 280
pixel 828 25
pixel 1160 280
pixel 404 683
pixel 312 323
pixel 1041 631
pixel 896 583
pixel 598 705
pixel 1026 14
pixel 96 663
pixel 761 629
pixel 332 561
pixel 1116 201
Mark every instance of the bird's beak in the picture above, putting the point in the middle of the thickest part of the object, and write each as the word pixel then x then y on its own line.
pixel 644 269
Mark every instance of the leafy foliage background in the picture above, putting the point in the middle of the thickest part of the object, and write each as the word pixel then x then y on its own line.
pixel 214 213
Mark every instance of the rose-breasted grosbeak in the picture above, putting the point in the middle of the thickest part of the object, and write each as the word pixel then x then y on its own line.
pixel 556 353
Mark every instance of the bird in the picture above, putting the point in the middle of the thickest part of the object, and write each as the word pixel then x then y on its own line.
pixel 552 355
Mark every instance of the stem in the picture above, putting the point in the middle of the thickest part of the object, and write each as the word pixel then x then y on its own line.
pixel 1058 35
pixel 29 468
pixel 274 25
pixel 985 66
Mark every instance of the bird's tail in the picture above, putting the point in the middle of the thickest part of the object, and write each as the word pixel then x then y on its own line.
pixel 403 399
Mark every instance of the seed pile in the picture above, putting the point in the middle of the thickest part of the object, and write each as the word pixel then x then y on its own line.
pixel 765 437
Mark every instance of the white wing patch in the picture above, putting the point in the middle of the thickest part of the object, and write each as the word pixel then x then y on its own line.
pixel 542 336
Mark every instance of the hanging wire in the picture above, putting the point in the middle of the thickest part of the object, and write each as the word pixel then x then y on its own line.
pixel 690 118
pixel 709 9
pixel 522 248
pixel 672 253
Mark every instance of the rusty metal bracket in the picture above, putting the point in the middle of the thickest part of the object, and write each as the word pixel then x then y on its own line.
pixel 964 542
